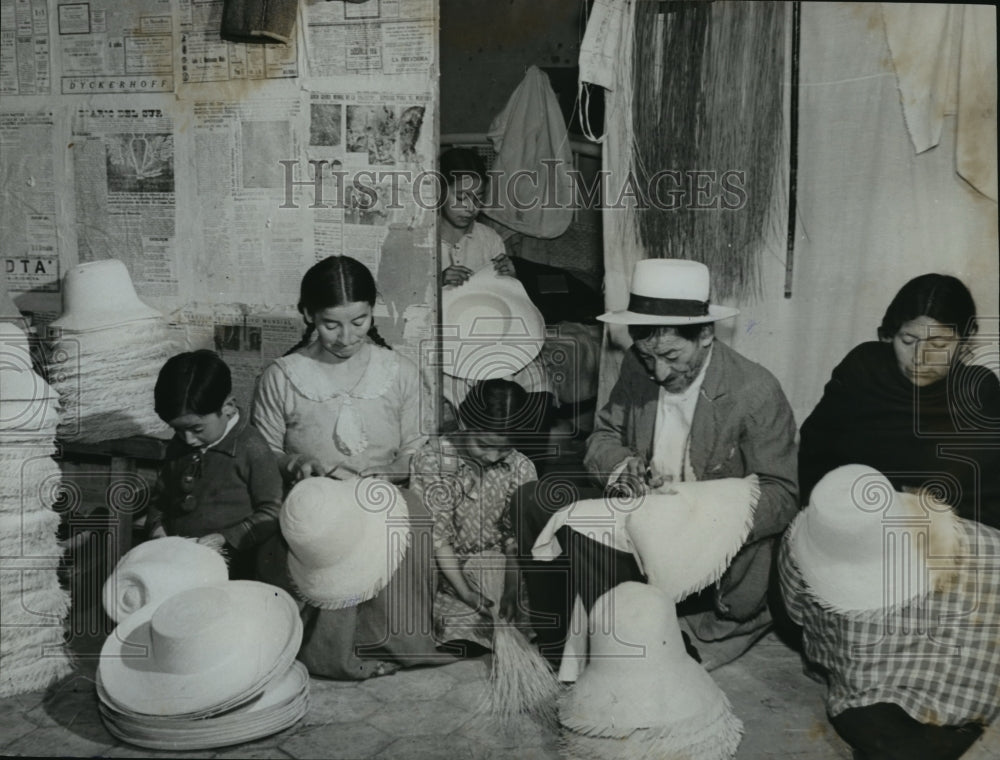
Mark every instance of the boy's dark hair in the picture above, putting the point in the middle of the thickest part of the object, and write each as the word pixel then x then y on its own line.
pixel 495 406
pixel 331 282
pixel 690 333
pixel 939 296
pixel 196 382
pixel 457 163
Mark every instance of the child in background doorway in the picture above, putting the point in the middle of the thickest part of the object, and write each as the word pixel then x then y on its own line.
pixel 220 483
pixel 465 480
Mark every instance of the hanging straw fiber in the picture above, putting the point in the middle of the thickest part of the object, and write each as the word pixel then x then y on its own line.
pixel 105 380
pixel 708 98
pixel 33 605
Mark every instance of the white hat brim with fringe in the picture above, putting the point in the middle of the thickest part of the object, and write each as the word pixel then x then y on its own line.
pixel 346 538
pixel 683 538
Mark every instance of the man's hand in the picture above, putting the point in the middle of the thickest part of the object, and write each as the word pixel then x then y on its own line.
pixel 631 481
pixel 456 274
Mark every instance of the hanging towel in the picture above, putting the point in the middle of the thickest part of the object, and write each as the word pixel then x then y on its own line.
pixel 534 190
pixel 945 60
pixel 976 146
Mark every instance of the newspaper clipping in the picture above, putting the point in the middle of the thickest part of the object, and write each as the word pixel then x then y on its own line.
pixel 125 195
pixel 204 57
pixel 24 48
pixel 107 46
pixel 28 213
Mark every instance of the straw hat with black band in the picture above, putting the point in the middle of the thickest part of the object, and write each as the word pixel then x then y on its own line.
pixel 669 292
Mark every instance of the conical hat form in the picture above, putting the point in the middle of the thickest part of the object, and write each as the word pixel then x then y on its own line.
pixel 684 540
pixel 156 570
pixel 640 678
pixel 98 295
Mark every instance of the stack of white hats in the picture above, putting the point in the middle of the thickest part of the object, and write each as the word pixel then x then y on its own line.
pixel 107 350
pixel 197 661
pixel 33 607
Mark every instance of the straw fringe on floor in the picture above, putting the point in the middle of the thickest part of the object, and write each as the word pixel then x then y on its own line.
pixel 520 682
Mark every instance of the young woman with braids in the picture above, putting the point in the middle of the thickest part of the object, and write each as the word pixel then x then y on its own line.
pixel 343 404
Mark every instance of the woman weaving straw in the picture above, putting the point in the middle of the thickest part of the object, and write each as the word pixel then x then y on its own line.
pixel 342 404
pixel 911 407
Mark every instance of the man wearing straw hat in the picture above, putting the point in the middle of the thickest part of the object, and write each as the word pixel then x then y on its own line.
pixel 684 408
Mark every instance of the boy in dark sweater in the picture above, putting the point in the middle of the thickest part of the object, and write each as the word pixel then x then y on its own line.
pixel 220 483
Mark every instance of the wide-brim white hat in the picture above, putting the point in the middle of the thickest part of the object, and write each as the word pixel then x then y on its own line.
pixel 641 688
pixel 153 571
pixel 683 537
pixel 283 702
pixel 669 292
pixel 99 295
pixel 490 328
pixel 345 538
pixel 685 540
pixel 200 651
pixel 861 546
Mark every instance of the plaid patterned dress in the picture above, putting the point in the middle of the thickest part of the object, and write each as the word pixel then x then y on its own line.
pixel 469 505
pixel 937 657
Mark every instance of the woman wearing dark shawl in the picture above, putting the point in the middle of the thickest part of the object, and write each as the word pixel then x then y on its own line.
pixel 911 407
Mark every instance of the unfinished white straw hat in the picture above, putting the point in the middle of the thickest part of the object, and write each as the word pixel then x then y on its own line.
pixel 345 538
pixel 282 703
pixel 491 328
pixel 27 402
pixel 641 694
pixel 685 540
pixel 669 292
pixel 155 570
pixel 98 295
pixel 201 648
pixel 860 545
pixel 682 537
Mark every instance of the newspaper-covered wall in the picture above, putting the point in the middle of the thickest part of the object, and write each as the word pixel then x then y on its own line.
pixel 219 171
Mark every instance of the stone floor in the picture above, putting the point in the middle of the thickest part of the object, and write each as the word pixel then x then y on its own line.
pixel 430 713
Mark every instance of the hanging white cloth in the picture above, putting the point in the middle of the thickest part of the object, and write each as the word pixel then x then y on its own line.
pixel 535 188
pixel 606 61
pixel 946 62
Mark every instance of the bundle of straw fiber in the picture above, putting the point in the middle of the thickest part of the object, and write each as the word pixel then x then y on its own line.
pixel 33 605
pixel 520 679
pixel 708 99
pixel 105 379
